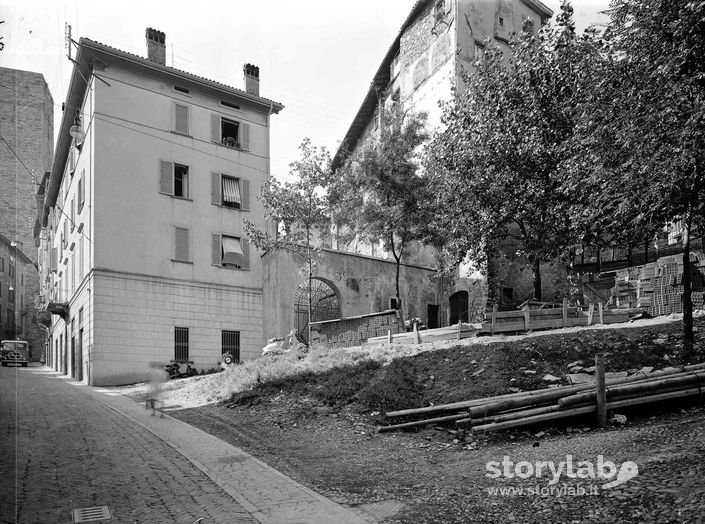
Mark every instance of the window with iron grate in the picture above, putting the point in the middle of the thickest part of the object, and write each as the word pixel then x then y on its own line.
pixel 231 344
pixel 181 344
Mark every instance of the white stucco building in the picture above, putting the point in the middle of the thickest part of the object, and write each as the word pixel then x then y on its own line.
pixel 144 254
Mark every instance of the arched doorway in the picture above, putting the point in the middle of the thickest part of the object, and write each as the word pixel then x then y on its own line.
pixel 458 307
pixel 325 304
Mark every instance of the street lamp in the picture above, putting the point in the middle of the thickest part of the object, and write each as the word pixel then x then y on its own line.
pixel 76 130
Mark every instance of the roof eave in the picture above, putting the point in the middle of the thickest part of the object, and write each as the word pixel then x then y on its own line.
pixel 264 103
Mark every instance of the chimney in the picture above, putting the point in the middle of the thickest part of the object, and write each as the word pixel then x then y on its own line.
pixel 156 46
pixel 251 79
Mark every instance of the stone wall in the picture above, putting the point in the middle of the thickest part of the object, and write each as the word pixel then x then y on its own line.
pixel 353 331
pixel 362 285
pixel 27 124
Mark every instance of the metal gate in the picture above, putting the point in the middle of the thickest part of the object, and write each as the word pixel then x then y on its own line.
pixel 324 304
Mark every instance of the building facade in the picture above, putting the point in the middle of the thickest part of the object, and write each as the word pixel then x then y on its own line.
pixel 143 252
pixel 17 315
pixel 437 43
pixel 26 149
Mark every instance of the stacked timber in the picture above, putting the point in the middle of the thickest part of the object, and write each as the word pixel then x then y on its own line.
pixel 526 408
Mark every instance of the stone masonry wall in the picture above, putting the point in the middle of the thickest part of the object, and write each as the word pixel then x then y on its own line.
pixel 27 124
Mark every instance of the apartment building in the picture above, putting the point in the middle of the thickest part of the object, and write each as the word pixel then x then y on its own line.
pixel 16 293
pixel 438 41
pixel 154 171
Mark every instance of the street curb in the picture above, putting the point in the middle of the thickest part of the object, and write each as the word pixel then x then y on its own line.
pixel 336 512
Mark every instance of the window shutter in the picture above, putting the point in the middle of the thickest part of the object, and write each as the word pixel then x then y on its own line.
pixel 215 189
pixel 245 245
pixel 181 119
pixel 82 189
pixel 245 193
pixel 245 136
pixel 166 177
pixel 181 244
pixel 215 128
pixel 217 250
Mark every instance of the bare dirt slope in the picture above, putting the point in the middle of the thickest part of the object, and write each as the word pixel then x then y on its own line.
pixel 319 428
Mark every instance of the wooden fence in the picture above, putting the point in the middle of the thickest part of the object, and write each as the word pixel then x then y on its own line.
pixel 532 319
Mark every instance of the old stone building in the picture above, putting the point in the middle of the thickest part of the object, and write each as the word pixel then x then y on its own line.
pixel 27 131
pixel 437 42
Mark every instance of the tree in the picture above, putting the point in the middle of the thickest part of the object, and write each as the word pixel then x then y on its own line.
pixel 495 166
pixel 379 190
pixel 297 211
pixel 638 148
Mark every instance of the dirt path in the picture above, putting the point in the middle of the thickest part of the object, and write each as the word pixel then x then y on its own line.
pixel 434 479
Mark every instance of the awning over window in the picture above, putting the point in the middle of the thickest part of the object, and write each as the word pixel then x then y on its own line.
pixel 232 251
pixel 231 191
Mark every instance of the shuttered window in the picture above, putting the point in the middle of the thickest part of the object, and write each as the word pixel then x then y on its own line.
pixel 181 243
pixel 230 191
pixel 81 191
pixel 231 252
pixel 181 118
pixel 230 133
pixel 173 179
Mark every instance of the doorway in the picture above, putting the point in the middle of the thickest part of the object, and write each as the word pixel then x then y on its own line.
pixel 458 307
pixel 432 316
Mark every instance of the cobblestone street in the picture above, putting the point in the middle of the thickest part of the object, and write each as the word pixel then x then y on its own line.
pixel 63 450
pixel 66 446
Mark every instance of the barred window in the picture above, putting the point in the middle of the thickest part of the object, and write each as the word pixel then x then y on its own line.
pixel 181 344
pixel 231 344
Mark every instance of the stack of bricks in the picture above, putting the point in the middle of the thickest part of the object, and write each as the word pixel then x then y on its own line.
pixel 645 285
pixel 353 331
pixel 657 287
pixel 624 292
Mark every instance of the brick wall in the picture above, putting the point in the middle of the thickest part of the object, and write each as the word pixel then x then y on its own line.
pixel 353 331
pixel 27 124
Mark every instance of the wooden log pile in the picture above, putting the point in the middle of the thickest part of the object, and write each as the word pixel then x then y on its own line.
pixel 527 408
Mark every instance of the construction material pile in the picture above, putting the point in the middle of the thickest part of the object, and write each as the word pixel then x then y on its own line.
pixel 657 287
pixel 526 408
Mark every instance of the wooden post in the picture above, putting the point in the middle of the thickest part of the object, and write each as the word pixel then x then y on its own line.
pixel 601 390
pixel 389 336
pixel 565 311
pixel 527 319
pixel 417 337
pixel 591 310
pixel 599 310
pixel 459 329
pixel 494 313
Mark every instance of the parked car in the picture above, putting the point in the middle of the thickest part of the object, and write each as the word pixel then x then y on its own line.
pixel 14 352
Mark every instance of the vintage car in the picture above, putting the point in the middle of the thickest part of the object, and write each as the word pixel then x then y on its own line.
pixel 14 352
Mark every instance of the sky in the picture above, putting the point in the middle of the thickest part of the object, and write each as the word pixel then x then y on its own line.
pixel 317 57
